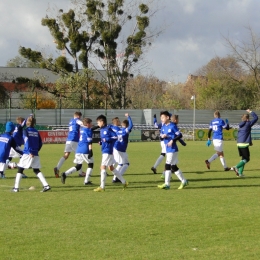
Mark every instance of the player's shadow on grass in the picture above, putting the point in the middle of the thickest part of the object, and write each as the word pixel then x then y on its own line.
pixel 224 179
pixel 201 172
pixel 225 186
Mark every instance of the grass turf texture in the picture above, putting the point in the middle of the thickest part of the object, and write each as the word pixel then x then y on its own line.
pixel 215 217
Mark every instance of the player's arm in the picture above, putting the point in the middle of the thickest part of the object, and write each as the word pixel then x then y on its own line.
pixel 23 124
pixel 182 142
pixel 226 124
pixel 130 122
pixel 254 115
pixel 13 143
pixel 90 153
pixel 25 135
pixel 177 136
pixel 209 133
pixel 93 128
pixel 208 143
pixel 40 142
pixel 155 121
pixel 79 122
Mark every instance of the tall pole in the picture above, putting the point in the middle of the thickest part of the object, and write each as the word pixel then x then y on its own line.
pixel 194 108
pixel 194 117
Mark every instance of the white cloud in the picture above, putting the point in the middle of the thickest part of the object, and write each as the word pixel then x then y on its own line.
pixel 193 38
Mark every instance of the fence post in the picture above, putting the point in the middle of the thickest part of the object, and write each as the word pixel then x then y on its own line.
pixel 60 108
pixel 10 103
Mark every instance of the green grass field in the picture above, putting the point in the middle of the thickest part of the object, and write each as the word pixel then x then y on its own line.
pixel 215 217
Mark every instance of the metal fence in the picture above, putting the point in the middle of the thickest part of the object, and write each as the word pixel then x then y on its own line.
pixel 61 116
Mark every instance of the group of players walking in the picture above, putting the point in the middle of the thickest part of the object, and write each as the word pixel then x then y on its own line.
pixel 170 134
pixel 114 142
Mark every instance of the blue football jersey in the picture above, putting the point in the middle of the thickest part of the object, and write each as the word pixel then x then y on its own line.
pixel 122 137
pixel 84 140
pixel 18 133
pixel 107 136
pixel 32 141
pixel 172 131
pixel 115 129
pixel 217 125
pixel 6 143
pixel 74 127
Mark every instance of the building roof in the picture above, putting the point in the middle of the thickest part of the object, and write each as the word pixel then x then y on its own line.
pixel 8 74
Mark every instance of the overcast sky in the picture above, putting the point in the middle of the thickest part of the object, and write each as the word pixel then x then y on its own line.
pixel 193 36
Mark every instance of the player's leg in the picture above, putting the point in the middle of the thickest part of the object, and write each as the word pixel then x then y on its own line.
pixel 24 163
pixel 178 172
pixel 36 165
pixel 124 162
pixel 18 179
pixel 219 149
pixel 88 174
pixel 124 168
pixel 160 158
pixel 168 172
pixel 78 160
pixel 245 158
pixel 118 168
pixel 2 169
pixel 118 175
pixel 39 174
pixel 103 175
pixel 60 163
pixel 70 147
pixel 213 157
pixel 119 164
pixel 90 162
pixel 15 153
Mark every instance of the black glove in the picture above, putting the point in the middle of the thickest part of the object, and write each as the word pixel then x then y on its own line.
pixel 154 115
pixel 182 142
pixel 90 154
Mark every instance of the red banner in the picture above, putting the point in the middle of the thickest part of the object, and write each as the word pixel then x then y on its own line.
pixel 54 136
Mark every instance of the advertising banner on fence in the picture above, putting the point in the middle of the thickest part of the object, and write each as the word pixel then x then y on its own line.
pixel 202 134
pixel 150 135
pixel 52 137
pixel 60 136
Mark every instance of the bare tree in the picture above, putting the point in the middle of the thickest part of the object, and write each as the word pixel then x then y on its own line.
pixel 247 54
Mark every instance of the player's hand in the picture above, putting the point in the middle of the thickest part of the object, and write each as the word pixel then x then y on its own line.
pixel 170 143
pixel 126 114
pixel 226 120
pixel 154 115
pixel 90 154
pixel 248 110
pixel 208 143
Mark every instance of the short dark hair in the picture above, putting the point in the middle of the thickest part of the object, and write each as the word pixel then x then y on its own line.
pixel 245 117
pixel 102 118
pixel 126 123
pixel 217 114
pixel 174 117
pixel 78 113
pixel 86 121
pixel 166 113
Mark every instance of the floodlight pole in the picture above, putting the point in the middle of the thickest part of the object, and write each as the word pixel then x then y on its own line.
pixel 194 108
